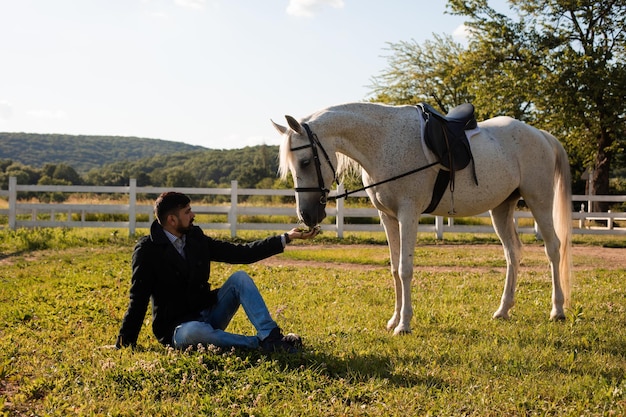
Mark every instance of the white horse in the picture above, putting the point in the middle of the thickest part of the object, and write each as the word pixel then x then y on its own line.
pixel 511 160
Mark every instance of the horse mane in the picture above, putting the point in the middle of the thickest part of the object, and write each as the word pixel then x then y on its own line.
pixel 346 166
pixel 285 157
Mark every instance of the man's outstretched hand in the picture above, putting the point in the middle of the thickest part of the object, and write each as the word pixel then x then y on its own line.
pixel 297 233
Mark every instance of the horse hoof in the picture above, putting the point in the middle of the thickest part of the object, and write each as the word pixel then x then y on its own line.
pixel 401 331
pixel 391 325
pixel 557 316
pixel 500 315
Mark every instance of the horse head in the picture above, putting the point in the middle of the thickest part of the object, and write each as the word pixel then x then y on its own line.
pixel 300 154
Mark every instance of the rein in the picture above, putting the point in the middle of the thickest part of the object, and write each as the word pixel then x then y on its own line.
pixel 315 143
pixel 413 171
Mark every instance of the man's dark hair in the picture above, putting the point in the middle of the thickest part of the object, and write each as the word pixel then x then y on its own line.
pixel 168 203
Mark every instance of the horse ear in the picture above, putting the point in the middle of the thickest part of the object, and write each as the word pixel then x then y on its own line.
pixel 293 123
pixel 281 129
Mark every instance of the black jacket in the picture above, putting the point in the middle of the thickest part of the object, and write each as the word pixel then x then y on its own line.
pixel 179 288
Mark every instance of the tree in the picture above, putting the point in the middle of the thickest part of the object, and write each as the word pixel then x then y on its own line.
pixel 178 177
pixel 66 173
pixel 24 173
pixel 561 65
pixel 431 72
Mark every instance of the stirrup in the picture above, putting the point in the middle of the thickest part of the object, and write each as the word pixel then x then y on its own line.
pixel 452 211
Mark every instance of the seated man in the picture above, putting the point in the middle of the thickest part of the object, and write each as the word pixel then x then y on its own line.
pixel 171 266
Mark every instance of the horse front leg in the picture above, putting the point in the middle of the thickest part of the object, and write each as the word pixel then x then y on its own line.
pixel 408 238
pixel 504 225
pixel 392 231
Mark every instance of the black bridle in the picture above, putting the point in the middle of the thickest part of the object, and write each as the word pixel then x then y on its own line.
pixel 314 144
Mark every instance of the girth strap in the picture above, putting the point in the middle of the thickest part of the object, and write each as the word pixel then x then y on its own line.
pixel 443 178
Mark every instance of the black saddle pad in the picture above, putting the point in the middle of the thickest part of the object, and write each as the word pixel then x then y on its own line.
pixel 445 135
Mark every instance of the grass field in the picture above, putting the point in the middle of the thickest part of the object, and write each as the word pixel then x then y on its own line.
pixel 63 293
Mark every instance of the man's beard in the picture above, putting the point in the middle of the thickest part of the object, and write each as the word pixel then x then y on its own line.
pixel 185 230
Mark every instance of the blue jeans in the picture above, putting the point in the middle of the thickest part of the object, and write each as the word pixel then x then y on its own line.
pixel 238 290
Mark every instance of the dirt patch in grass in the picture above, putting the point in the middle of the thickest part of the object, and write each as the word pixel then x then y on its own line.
pixel 590 257
pixel 585 257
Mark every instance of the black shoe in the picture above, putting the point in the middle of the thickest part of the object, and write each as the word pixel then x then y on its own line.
pixel 277 342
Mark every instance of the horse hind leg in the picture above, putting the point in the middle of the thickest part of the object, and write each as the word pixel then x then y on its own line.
pixel 553 214
pixel 552 244
pixel 504 225
pixel 558 298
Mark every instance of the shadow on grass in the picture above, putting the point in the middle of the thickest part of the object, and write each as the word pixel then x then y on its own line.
pixel 365 367
pixel 354 367
pixel 6 257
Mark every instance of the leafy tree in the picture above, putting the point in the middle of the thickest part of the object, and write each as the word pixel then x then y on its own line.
pixel 24 173
pixel 180 177
pixel 431 72
pixel 4 164
pixel 106 177
pixel 63 172
pixel 560 64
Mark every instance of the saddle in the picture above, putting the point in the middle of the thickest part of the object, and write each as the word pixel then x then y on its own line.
pixel 445 137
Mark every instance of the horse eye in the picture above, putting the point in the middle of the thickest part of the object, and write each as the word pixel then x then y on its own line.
pixel 305 163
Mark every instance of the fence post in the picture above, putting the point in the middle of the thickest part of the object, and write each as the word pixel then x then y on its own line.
pixel 232 214
pixel 339 219
pixel 581 220
pixel 132 207
pixel 12 202
pixel 439 227
pixel 537 231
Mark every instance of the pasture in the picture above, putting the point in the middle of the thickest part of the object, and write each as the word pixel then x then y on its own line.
pixel 63 294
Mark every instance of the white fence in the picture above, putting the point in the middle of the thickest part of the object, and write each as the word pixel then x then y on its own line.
pixel 28 214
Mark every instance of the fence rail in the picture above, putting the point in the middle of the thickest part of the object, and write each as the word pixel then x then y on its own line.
pixel 28 214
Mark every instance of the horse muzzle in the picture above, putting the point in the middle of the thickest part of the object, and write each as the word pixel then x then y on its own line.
pixel 312 209
pixel 312 220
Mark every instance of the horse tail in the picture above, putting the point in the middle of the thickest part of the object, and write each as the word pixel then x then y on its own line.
pixel 562 216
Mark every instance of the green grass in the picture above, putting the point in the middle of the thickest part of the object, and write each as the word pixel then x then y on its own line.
pixel 63 293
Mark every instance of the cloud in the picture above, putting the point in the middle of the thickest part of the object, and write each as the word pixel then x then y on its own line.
pixel 191 4
pixel 309 8
pixel 6 110
pixel 461 34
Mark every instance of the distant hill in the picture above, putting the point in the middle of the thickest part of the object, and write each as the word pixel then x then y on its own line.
pixel 83 152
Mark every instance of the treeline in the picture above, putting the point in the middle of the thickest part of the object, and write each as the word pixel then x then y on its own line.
pixel 252 167
pixel 82 152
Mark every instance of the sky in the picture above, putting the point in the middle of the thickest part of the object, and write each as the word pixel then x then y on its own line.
pixel 202 72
